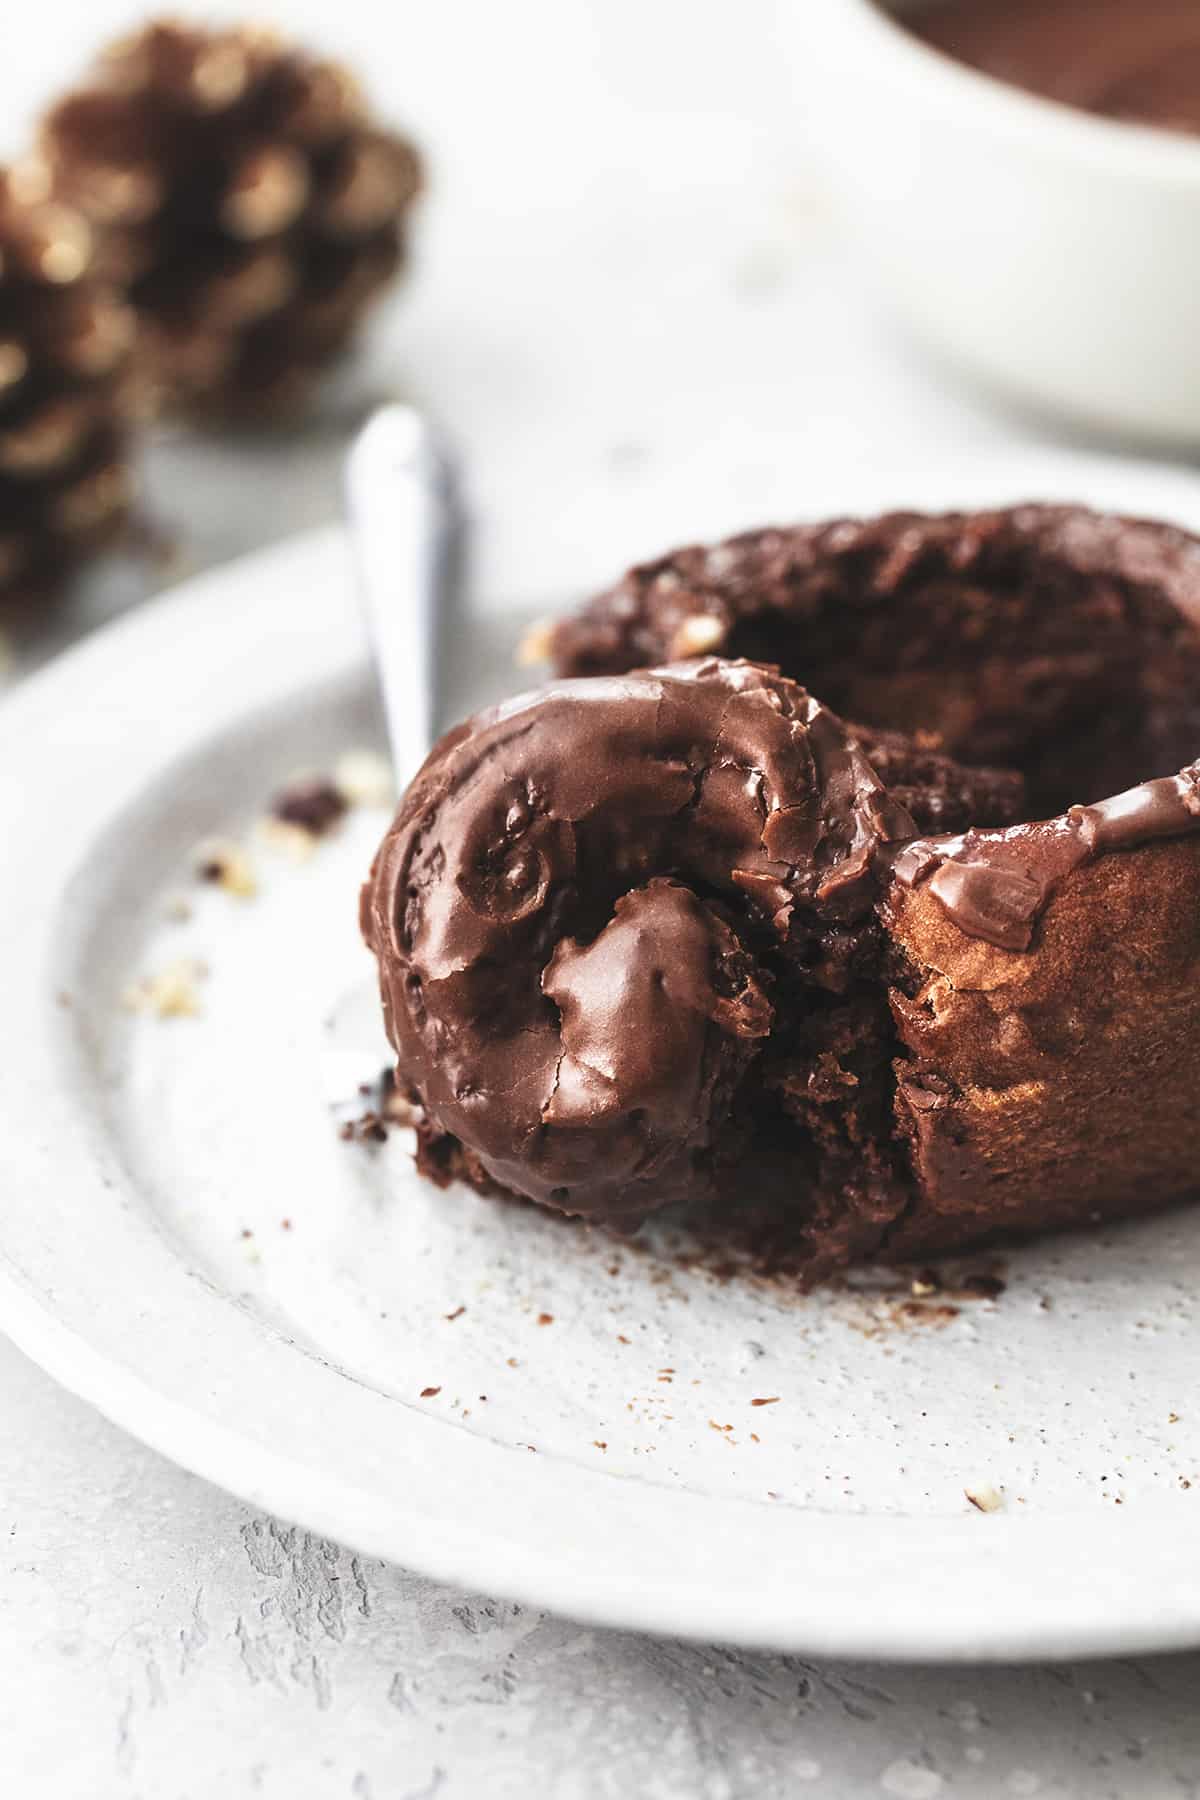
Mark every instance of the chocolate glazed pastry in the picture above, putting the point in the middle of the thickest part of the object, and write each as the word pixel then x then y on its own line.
pixel 681 936
pixel 629 957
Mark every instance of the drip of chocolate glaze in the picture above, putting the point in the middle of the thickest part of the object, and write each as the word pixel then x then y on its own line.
pixel 995 885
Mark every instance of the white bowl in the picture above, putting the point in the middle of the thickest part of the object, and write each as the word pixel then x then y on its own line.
pixel 1053 253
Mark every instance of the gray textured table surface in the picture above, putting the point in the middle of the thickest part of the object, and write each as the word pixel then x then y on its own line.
pixel 158 1639
pixel 671 356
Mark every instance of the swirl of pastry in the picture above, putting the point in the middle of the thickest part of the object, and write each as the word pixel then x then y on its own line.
pixel 587 908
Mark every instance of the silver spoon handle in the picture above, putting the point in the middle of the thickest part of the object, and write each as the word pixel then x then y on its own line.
pixel 406 524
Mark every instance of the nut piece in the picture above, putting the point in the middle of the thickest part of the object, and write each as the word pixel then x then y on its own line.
pixel 290 840
pixel 697 635
pixel 364 778
pixel 537 644
pixel 171 994
pixel 984 1498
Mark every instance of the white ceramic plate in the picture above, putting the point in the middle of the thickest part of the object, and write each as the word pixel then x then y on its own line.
pixel 618 1468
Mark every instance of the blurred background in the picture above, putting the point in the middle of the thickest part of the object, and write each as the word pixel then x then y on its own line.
pixel 629 302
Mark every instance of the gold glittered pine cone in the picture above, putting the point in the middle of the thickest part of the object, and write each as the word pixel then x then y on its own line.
pixel 245 200
pixel 68 392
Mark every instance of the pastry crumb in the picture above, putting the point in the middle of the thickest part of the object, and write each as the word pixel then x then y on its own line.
pixel 289 840
pixel 226 865
pixel 537 644
pixel 174 993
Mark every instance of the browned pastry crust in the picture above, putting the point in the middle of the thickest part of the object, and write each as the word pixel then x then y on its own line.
pixel 1059 1084
pixel 915 1026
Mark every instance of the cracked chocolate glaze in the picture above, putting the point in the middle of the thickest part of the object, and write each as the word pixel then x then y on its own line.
pixel 1059 641
pixel 995 885
pixel 585 907
pixel 1051 640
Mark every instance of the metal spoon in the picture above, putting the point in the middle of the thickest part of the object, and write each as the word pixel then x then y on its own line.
pixel 408 532
pixel 407 526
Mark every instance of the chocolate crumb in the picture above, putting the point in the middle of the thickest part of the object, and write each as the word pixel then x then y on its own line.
pixel 599 1443
pixel 313 804
pixel 545 1318
pixel 285 1224
pixel 369 1128
pixel 456 1314
pixel 987 1287
pixel 769 1400
pixel 427 1393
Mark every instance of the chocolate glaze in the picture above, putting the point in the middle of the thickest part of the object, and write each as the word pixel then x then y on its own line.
pixel 996 884
pixel 1136 61
pixel 578 911
pixel 1050 639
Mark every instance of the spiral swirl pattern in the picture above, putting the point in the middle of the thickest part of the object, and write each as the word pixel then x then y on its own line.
pixel 588 905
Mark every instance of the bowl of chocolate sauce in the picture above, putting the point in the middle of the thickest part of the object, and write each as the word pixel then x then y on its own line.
pixel 1135 60
pixel 1023 179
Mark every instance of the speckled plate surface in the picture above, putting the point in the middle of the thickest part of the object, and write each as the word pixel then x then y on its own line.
pixel 480 1392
